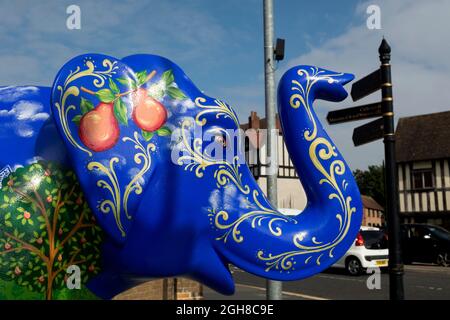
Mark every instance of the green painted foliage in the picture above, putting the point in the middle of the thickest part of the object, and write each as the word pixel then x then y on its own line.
pixel 46 226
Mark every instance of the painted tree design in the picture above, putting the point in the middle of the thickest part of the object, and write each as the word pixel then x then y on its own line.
pixel 46 226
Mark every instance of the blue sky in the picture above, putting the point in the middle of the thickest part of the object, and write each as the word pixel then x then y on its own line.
pixel 219 44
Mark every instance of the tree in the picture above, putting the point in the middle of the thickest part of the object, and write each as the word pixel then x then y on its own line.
pixel 371 182
pixel 46 226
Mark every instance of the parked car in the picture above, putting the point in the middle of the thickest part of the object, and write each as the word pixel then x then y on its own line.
pixel 426 243
pixel 369 250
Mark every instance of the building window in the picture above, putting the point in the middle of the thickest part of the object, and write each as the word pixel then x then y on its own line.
pixel 422 179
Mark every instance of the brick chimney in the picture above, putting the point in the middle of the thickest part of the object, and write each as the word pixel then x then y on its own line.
pixel 253 120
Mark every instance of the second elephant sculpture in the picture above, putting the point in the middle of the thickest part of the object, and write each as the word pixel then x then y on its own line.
pixel 128 171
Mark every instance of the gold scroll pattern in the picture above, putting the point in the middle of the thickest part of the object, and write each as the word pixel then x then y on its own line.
pixel 66 90
pixel 320 150
pixel 226 174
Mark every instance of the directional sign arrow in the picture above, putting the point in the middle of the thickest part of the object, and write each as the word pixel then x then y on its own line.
pixel 367 85
pixel 369 132
pixel 356 113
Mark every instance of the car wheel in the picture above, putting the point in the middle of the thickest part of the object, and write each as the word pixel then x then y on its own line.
pixel 353 266
pixel 442 259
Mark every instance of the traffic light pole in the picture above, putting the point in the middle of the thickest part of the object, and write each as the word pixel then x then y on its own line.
pixel 396 291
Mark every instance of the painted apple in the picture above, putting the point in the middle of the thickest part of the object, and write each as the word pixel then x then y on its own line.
pixel 99 129
pixel 148 113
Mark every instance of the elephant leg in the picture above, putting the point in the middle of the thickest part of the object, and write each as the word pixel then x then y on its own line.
pixel 210 269
pixel 108 284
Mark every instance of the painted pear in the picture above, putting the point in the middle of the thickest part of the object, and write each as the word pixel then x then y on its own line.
pixel 148 113
pixel 99 129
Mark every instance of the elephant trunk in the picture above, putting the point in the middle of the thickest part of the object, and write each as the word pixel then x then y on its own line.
pixel 265 242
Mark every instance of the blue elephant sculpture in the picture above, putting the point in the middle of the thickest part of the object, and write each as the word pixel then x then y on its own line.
pixel 126 170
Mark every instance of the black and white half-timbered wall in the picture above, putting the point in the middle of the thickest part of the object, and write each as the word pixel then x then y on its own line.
pixel 423 159
pixel 290 190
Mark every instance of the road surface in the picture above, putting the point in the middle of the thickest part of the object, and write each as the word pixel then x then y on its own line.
pixel 421 282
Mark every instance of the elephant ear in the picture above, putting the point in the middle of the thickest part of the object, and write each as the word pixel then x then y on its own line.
pixel 92 103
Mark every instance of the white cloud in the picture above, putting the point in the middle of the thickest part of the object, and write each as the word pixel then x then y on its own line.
pixel 36 42
pixel 133 172
pixel 21 116
pixel 179 107
pixel 13 93
pixel 26 110
pixel 214 199
pixel 34 159
pixel 24 131
pixel 419 35
pixel 29 110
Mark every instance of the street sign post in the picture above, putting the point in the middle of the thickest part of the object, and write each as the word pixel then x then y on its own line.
pixel 368 133
pixel 367 85
pixel 396 291
pixel 356 113
pixel 380 128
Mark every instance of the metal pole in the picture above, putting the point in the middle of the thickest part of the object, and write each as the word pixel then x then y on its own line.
pixel 396 291
pixel 273 287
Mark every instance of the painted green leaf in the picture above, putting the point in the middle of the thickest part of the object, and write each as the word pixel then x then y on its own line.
pixel 85 106
pixel 163 131
pixel 175 93
pixel 147 135
pixel 168 77
pixel 113 86
pixel 126 82
pixel 77 119
pixel 141 76
pixel 105 95
pixel 120 111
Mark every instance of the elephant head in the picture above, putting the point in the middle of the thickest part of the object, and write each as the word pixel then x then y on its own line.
pixel 163 172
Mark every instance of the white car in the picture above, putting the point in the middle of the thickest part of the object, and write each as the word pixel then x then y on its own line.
pixel 369 250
